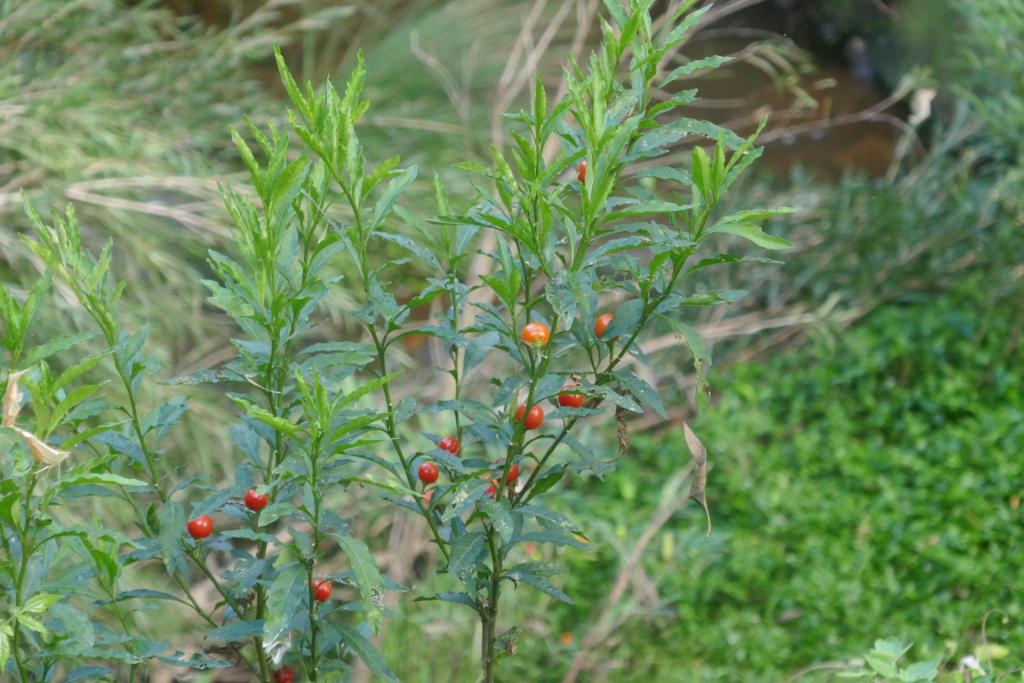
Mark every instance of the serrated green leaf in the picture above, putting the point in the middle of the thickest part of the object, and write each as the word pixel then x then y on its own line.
pixel 457 598
pixel 368 578
pixel 367 652
pixel 550 516
pixel 465 553
pixel 712 62
pixel 31 623
pixel 74 629
pixel 552 537
pixel 642 391
pixel 40 602
pixel 172 526
pixel 753 233
pixel 618 14
pixel 390 196
pixel 539 582
pixel 102 478
pixel 250 535
pixel 148 595
pixel 279 424
pixel 498 513
pixel 275 511
pixel 424 254
pixel 47 349
pixel 238 631
pixel 287 595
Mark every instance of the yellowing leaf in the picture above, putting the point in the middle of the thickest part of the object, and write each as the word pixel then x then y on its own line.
pixel 991 651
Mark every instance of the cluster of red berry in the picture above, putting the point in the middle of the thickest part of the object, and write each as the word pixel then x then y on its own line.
pixel 201 527
pixel 535 335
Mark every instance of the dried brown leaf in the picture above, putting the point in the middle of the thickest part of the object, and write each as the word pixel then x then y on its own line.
pixel 12 398
pixel 44 454
pixel 621 430
pixel 699 483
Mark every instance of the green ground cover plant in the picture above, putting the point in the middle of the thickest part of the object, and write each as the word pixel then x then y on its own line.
pixel 864 487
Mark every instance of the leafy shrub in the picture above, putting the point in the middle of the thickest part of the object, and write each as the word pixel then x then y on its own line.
pixel 576 233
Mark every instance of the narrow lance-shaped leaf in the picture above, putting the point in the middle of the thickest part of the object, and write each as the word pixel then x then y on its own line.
pixel 497 512
pixel 287 595
pixel 370 655
pixel 739 224
pixel 465 553
pixel 172 526
pixel 391 195
pixel 371 584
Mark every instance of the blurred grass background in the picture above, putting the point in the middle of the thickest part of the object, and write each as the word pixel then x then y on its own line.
pixel 866 435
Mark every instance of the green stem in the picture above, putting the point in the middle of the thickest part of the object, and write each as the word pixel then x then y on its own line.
pixel 192 601
pixel 16 638
pixel 540 464
pixel 314 623
pixel 200 562
pixel 456 304
pixel 272 391
pixel 391 425
pixel 264 665
pixel 137 428
pixel 489 612
pixel 123 620
pixel 19 587
pixel 392 431
pixel 313 665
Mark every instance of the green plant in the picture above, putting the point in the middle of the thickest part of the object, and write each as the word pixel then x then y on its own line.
pixel 272 606
pixel 39 628
pixel 560 245
pixel 565 243
pixel 884 663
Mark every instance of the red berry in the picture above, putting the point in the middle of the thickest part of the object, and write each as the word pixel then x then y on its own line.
pixel 254 501
pixel 570 398
pixel 428 473
pixel 533 419
pixel 200 527
pixel 581 171
pixel 602 323
pixel 513 474
pixel 450 444
pixel 284 675
pixel 492 490
pixel 322 589
pixel 535 334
